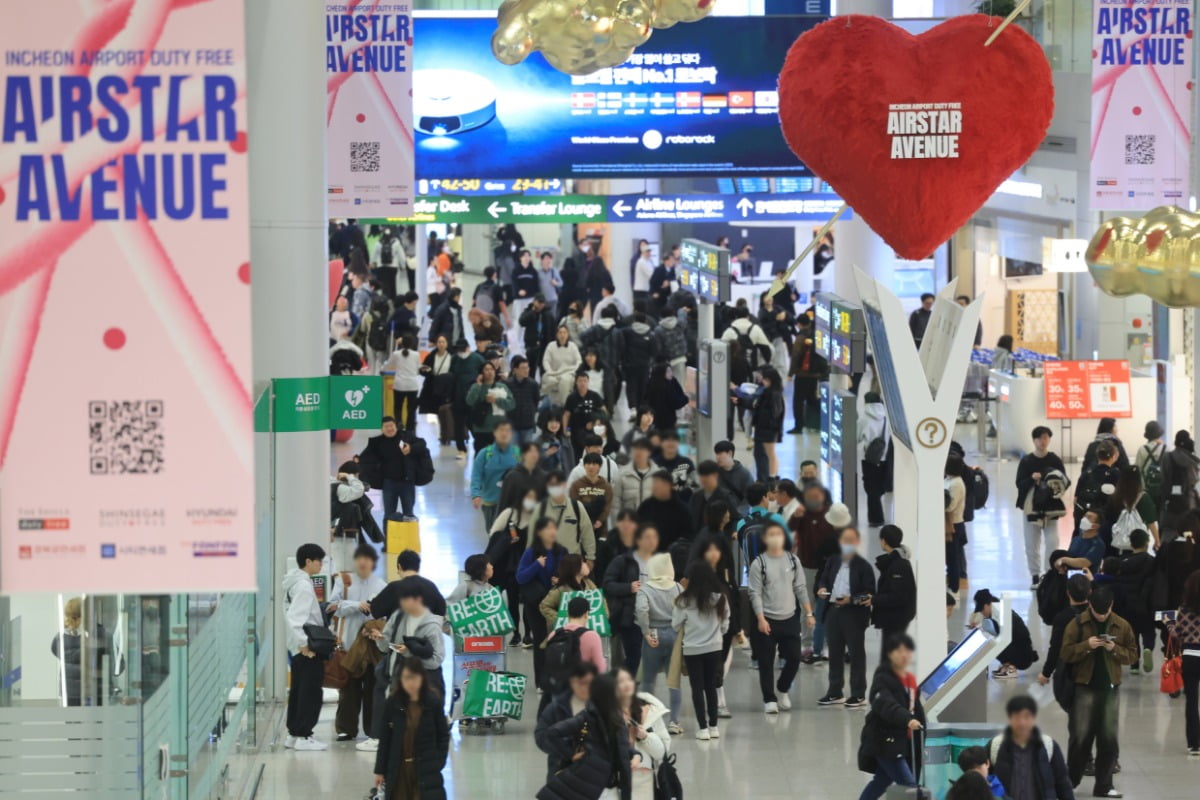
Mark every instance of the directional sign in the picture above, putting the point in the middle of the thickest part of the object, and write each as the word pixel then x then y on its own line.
pixel 704 270
pixel 723 207
pixel 508 209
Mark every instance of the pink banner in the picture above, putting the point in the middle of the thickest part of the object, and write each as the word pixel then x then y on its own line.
pixel 1142 92
pixel 368 133
pixel 126 443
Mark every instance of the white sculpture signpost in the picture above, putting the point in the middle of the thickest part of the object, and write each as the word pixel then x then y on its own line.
pixel 922 391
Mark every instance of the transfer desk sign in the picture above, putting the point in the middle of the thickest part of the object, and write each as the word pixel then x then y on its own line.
pixel 368 131
pixel 1142 94
pixel 126 443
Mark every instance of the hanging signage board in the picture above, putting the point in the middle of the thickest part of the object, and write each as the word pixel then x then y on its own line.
pixel 1142 93
pixel 722 208
pixel 136 231
pixel 1087 389
pixel 369 124
pixel 328 402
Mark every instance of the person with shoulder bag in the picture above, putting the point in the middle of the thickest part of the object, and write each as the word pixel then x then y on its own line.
pixel 890 745
pixel 414 744
pixel 593 750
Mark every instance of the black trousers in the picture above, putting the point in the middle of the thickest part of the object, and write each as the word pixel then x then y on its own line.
pixel 356 697
pixel 845 630
pixel 702 675
pixel 784 637
pixel 304 696
pixel 635 387
pixel 460 425
pixel 806 409
pixel 535 625
pixel 405 412
pixel 874 478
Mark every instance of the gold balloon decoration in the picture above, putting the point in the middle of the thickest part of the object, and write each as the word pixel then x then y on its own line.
pixel 1157 255
pixel 579 37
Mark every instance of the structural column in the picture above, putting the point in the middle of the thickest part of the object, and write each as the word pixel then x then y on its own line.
pixel 288 246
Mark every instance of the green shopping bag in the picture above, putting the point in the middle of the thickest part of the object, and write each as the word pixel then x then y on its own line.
pixel 494 694
pixel 483 614
pixel 597 617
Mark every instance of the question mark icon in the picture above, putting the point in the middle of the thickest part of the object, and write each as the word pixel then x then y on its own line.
pixel 931 432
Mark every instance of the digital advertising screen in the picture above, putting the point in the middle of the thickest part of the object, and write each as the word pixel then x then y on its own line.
pixel 848 338
pixel 704 270
pixel 697 99
pixel 822 329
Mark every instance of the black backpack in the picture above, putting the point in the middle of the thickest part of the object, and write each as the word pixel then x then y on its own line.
pixel 1153 477
pixel 667 785
pixel 562 657
pixel 980 487
pixel 386 252
pixel 1051 595
pixel 757 355
pixel 377 336
pixel 1089 491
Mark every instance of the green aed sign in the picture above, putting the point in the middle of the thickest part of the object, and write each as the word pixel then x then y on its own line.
pixel 331 402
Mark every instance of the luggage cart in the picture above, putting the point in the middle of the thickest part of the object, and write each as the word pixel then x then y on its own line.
pixel 487 653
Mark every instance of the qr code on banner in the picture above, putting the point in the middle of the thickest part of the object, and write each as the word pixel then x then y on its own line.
pixel 1139 149
pixel 126 437
pixel 364 156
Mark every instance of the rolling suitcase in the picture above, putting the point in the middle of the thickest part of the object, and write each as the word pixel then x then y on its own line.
pixel 918 792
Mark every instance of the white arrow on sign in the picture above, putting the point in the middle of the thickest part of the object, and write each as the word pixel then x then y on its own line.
pixel 495 209
pixel 619 208
pixel 744 205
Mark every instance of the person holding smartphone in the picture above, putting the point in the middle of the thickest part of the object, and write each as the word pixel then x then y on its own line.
pixel 412 631
pixel 847 583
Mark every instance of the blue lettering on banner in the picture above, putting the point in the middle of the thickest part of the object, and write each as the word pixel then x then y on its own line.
pixel 358 47
pixel 723 207
pixel 168 185
pixel 1144 35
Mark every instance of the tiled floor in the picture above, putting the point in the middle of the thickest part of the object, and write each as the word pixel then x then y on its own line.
pixel 807 753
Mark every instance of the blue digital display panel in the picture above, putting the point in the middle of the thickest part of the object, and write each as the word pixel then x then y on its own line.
pixel 697 99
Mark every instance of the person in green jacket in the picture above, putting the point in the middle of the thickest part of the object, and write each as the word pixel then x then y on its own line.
pixel 465 370
pixel 488 401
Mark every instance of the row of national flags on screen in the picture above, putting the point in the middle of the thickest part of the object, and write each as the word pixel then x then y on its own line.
pixel 635 100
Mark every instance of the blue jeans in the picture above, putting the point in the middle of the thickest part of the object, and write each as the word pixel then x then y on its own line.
pixel 393 491
pixel 887 772
pixel 656 660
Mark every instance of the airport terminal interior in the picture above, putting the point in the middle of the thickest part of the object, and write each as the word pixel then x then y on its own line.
pixel 599 399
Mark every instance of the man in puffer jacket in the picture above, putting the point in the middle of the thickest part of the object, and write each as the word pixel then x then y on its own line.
pixel 672 343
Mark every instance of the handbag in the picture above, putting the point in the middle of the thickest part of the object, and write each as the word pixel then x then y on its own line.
pixel 336 675
pixel 320 640
pixel 1170 680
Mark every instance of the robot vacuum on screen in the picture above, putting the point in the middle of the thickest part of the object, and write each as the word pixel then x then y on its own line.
pixel 451 101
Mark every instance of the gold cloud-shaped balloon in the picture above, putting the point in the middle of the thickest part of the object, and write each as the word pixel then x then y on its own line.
pixel 579 37
pixel 1157 255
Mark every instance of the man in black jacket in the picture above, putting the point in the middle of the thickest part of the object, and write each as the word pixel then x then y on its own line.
pixel 526 394
pixel 895 602
pixel 526 476
pixel 1079 588
pixel 564 706
pixel 665 511
pixel 847 583
pixel 539 326
pixel 1028 763
pixel 382 464
pixel 384 604
pixel 622 581
pixel 1041 511
pixel 708 474
pixel 448 319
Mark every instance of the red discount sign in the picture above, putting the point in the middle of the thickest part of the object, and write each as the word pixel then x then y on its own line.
pixel 1087 389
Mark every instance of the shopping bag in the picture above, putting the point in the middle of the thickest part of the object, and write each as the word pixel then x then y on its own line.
pixel 483 614
pixel 336 676
pixel 494 694
pixel 597 617
pixel 1171 676
pixel 403 535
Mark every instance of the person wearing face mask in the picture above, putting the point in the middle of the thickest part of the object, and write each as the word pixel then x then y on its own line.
pixel 575 531
pixel 507 543
pixel 581 407
pixel 763 511
pixel 847 583
pixel 1086 550
pixel 777 594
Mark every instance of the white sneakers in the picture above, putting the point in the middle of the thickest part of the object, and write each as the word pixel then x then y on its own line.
pixel 723 713
pixel 367 745
pixel 714 733
pixel 785 702
pixel 702 735
pixel 309 743
pixel 771 708
pixel 289 742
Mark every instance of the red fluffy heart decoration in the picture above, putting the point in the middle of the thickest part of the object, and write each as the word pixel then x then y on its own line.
pixel 894 167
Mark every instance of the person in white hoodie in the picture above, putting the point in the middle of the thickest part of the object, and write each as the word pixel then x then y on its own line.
pixel 350 604
pixel 308 670
pixel 633 480
pixel 560 360
pixel 874 441
pixel 645 716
